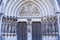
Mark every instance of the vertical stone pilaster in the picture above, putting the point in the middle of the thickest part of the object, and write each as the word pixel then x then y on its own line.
pixel 0 26
pixel 58 24
pixel 1 15
pixel 58 18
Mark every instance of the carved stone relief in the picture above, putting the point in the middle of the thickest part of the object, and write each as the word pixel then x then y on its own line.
pixel 29 9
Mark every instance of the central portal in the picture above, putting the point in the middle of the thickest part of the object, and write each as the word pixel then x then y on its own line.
pixel 23 31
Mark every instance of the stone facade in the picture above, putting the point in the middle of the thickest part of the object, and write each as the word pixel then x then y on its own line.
pixel 14 12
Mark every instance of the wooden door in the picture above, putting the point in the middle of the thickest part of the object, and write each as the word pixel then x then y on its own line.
pixel 22 31
pixel 36 31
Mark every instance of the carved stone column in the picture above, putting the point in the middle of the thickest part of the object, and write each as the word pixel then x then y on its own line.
pixel 58 24
pixel 58 17
pixel 1 15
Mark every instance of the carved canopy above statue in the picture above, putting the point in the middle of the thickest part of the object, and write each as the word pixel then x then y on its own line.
pixel 29 9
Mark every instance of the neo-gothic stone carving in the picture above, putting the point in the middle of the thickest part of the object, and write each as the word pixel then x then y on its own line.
pixel 29 9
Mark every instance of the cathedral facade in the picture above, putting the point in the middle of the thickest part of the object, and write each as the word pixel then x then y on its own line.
pixel 29 20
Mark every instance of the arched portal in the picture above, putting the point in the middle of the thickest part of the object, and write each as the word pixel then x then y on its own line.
pixel 32 19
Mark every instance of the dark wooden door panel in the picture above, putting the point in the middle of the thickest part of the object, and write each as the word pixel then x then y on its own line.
pixel 19 31
pixel 22 31
pixel 39 36
pixel 36 31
